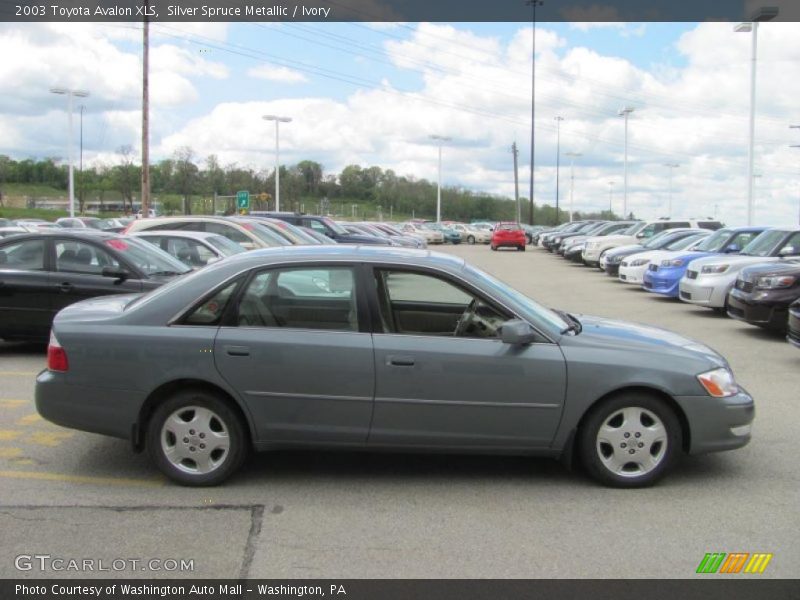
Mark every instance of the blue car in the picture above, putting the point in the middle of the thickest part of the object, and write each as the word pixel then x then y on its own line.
pixel 664 278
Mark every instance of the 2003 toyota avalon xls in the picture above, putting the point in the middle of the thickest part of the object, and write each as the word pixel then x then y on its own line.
pixel 359 347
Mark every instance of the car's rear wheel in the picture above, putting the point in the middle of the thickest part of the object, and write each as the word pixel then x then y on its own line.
pixel 494 247
pixel 470 239
pixel 521 248
pixel 196 439
pixel 630 440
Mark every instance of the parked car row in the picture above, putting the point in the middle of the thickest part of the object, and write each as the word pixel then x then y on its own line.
pixel 752 274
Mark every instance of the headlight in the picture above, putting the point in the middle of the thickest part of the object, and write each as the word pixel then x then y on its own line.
pixel 714 268
pixel 718 383
pixel 674 262
pixel 639 262
pixel 614 260
pixel 557 240
pixel 773 283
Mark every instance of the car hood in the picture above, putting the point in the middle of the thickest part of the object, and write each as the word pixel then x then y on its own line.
pixel 611 239
pixel 625 250
pixel 736 261
pixel 649 255
pixel 639 337
pixel 95 309
pixel 688 256
pixel 773 268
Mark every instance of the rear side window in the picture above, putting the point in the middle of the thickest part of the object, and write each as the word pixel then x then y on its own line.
pixel 712 225
pixel 675 224
pixel 210 311
pixel 80 257
pixel 23 256
pixel 170 226
pixel 227 231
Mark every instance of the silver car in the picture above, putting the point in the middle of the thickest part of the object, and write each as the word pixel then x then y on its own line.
pixel 380 348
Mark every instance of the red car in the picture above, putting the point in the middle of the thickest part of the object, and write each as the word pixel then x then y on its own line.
pixel 508 234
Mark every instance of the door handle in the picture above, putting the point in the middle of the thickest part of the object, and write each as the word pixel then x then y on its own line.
pixel 65 286
pixel 237 350
pixel 399 361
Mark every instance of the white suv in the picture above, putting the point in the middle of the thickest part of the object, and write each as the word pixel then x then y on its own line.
pixel 597 246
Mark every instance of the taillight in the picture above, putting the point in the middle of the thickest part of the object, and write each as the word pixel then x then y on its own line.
pixel 56 355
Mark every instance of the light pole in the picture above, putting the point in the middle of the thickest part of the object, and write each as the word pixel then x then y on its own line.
pixel 572 157
pixel 533 4
pixel 70 94
pixel 558 160
pixel 625 112
pixel 441 139
pixel 278 121
pixel 670 166
pixel 80 163
pixel 763 14
pixel 796 146
pixel 611 198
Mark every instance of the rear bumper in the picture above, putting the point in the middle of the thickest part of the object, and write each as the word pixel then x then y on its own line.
pixel 718 424
pixel 97 410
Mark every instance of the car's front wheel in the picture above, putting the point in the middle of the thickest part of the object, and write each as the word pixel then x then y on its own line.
pixel 630 440
pixel 470 239
pixel 196 439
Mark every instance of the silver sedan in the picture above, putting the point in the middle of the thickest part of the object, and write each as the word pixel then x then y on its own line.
pixel 380 348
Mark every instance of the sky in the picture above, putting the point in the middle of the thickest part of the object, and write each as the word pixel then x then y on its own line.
pixel 373 94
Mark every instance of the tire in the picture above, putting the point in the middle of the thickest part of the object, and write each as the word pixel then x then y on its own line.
pixel 470 239
pixel 170 427
pixel 494 247
pixel 521 248
pixel 605 440
pixel 602 254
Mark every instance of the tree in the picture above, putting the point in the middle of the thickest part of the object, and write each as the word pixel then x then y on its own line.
pixel 311 173
pixel 125 176
pixel 185 178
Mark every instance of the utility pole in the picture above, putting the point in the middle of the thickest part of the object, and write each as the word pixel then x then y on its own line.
pixel 533 4
pixel 572 157
pixel 625 112
pixel 440 139
pixel 145 201
pixel 80 165
pixel 611 198
pixel 558 163
pixel 515 152
pixel 796 146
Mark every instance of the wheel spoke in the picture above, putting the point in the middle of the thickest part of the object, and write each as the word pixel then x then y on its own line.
pixel 202 418
pixel 632 416
pixel 175 454
pixel 611 435
pixel 176 425
pixel 203 461
pixel 615 462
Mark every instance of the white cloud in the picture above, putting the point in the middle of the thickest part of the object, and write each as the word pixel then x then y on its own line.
pixel 275 73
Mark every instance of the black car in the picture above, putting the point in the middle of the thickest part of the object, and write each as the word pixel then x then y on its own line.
pixel 793 325
pixel 41 273
pixel 762 294
pixel 325 226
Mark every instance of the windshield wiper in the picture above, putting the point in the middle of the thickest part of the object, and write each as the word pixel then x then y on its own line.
pixel 574 324
pixel 167 273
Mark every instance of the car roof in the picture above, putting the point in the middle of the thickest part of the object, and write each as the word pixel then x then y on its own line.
pixel 78 234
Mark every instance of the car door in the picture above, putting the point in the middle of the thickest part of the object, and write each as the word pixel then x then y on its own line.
pixel 297 352
pixel 24 289
pixel 439 383
pixel 77 273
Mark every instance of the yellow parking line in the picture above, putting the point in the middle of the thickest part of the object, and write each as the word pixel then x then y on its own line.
pixel 19 373
pixel 49 438
pixel 29 419
pixel 10 452
pixel 45 476
pixel 13 403
pixel 6 434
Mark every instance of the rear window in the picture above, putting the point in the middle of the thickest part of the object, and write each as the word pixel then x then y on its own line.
pixel 712 225
pixel 508 227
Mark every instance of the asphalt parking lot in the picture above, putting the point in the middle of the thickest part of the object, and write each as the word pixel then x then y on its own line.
pixel 74 495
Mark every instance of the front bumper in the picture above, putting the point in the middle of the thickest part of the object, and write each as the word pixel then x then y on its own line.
pixel 88 408
pixel 662 281
pixel 744 307
pixel 611 268
pixel 704 291
pixel 634 275
pixel 718 424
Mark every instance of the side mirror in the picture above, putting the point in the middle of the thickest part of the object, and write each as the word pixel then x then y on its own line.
pixel 787 251
pixel 640 235
pixel 517 332
pixel 116 272
pixel 732 249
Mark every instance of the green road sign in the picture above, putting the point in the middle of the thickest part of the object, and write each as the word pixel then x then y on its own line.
pixel 243 199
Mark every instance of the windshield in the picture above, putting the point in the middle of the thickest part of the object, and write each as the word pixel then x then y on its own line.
pixel 147 257
pixel 765 244
pixel 659 240
pixel 224 245
pixel 266 235
pixel 683 243
pixel 531 310
pixel 715 242
pixel 337 229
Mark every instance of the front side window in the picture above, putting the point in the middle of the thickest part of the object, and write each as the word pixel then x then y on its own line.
pixel 792 246
pixel 301 298
pixel 190 252
pixel 23 256
pixel 420 304
pixel 80 257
